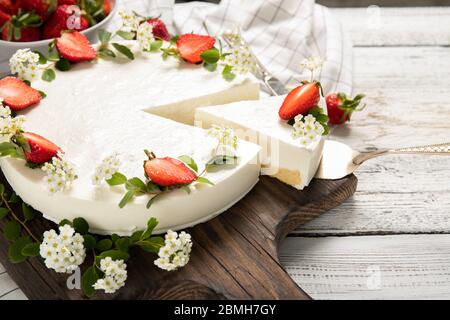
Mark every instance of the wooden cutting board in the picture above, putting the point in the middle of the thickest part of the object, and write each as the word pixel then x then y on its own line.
pixel 235 255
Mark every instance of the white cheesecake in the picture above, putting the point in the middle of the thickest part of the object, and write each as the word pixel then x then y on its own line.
pixel 123 106
pixel 281 156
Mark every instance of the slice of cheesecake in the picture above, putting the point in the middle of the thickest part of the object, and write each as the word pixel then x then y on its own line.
pixel 282 156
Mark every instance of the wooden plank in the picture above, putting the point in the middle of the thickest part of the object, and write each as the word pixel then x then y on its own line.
pixel 397 194
pixel 396 26
pixel 370 267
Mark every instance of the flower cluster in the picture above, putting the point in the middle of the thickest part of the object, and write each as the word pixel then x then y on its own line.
pixel 64 251
pixel 25 64
pixel 106 169
pixel 242 60
pixel 115 275
pixel 145 36
pixel 9 125
pixel 175 252
pixel 130 21
pixel 60 173
pixel 227 139
pixel 307 129
pixel 312 63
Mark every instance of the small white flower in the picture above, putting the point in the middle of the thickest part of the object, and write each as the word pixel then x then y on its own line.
pixel 9 125
pixel 242 60
pixel 115 275
pixel 106 169
pixel 307 129
pixel 225 136
pixel 25 64
pixel 175 252
pixel 64 251
pixel 312 63
pixel 59 173
pixel 130 21
pixel 145 36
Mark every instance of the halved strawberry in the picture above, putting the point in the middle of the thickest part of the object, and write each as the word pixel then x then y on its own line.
pixel 300 100
pixel 191 46
pixel 167 172
pixel 75 47
pixel 159 29
pixel 40 149
pixel 17 95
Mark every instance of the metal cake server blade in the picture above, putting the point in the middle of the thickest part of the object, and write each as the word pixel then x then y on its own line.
pixel 339 160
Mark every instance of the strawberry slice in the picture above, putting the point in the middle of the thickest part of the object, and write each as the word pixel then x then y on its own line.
pixel 40 149
pixel 17 95
pixel 168 172
pixel 191 46
pixel 300 100
pixel 75 47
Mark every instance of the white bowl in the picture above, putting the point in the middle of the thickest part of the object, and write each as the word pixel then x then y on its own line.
pixel 8 48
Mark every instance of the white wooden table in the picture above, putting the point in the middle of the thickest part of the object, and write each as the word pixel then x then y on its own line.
pixel 392 239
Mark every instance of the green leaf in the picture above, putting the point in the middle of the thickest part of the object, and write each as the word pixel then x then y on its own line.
pixel 156 45
pixel 151 224
pixel 42 58
pixel 14 198
pixel 114 254
pixel 89 241
pixel 115 237
pixel 49 75
pixel 104 36
pixel 186 188
pixel 122 244
pixel 174 39
pixel 63 65
pixel 204 180
pixel 106 53
pixel 117 179
pixel 227 73
pixel 3 212
pixel 88 279
pixel 124 50
pixel 210 66
pixel 2 188
pixel 31 249
pixel 43 94
pixel 136 236
pixel 127 198
pixel 150 202
pixel 211 56
pixel 12 230
pixel 126 35
pixel 136 184
pixel 64 222
pixel 104 245
pixel 81 225
pixel 152 187
pixel 190 162
pixel 152 244
pixel 53 54
pixel 15 250
pixel 28 212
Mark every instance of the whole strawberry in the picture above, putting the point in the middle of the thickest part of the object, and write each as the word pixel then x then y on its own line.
pixel 64 18
pixel 159 29
pixel 168 172
pixel 22 27
pixel 340 107
pixel 300 100
pixel 9 6
pixel 4 18
pixel 107 7
pixel 26 34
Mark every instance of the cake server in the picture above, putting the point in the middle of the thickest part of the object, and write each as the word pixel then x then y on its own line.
pixel 273 85
pixel 339 160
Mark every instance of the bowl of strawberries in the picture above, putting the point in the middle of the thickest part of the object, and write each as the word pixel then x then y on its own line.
pixel 35 23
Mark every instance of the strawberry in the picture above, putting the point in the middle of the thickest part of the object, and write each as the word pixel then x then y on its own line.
pixel 167 172
pixel 39 149
pixel 340 107
pixel 27 34
pixel 107 7
pixel 8 6
pixel 42 8
pixel 4 18
pixel 159 29
pixel 300 100
pixel 75 47
pixel 64 18
pixel 17 94
pixel 69 2
pixel 191 46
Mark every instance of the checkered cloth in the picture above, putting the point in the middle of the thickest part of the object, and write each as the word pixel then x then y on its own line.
pixel 281 33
